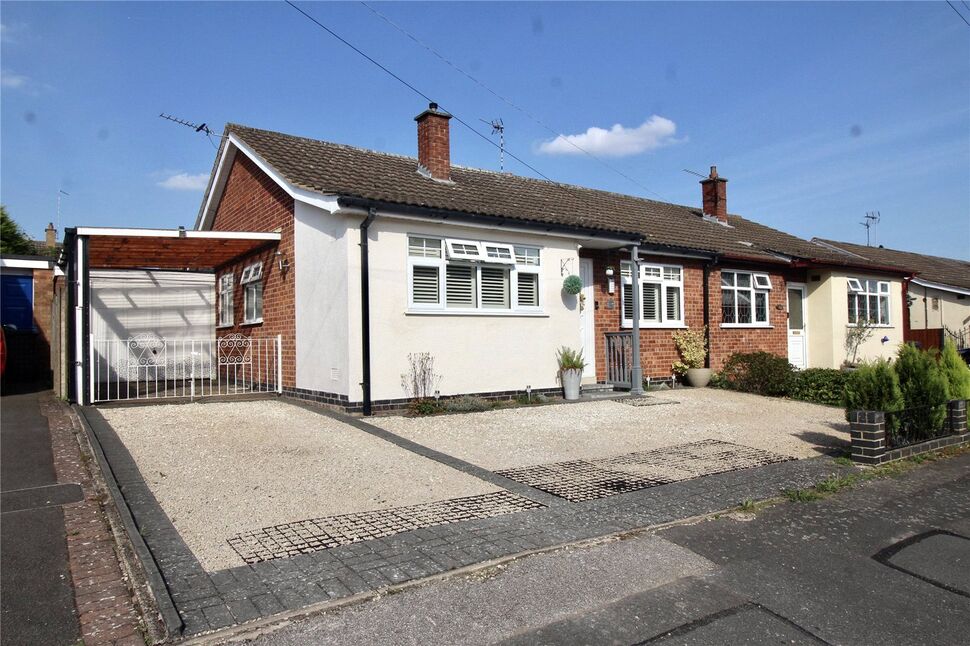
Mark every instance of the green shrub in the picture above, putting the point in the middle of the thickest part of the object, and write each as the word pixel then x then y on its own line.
pixel 718 381
pixel 925 391
pixel 762 373
pixel 467 404
pixel 819 385
pixel 956 371
pixel 424 407
pixel 873 386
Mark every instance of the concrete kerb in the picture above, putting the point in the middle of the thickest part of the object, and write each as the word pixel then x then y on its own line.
pixel 171 620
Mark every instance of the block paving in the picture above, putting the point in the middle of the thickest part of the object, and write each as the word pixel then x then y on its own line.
pixel 579 480
pixel 105 605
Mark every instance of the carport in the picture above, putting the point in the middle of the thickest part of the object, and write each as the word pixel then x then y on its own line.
pixel 144 265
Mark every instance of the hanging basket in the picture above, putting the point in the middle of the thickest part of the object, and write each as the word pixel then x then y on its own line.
pixel 572 284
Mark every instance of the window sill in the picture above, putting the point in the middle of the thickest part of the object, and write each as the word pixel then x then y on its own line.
pixel 883 326
pixel 747 326
pixel 225 327
pixel 251 323
pixel 475 313
pixel 655 326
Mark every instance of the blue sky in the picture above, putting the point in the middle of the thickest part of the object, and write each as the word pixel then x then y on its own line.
pixel 815 112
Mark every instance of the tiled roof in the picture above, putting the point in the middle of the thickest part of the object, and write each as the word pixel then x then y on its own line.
pixel 347 171
pixel 948 271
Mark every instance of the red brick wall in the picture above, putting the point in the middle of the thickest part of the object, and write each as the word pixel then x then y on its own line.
pixel 252 201
pixel 657 349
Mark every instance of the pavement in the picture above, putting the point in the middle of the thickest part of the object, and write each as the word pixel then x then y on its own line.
pixel 35 582
pixel 887 562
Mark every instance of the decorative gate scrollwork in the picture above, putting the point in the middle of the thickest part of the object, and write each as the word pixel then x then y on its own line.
pixel 145 351
pixel 235 350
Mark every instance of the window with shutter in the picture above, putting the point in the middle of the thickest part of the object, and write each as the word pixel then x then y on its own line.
pixel 495 288
pixel 460 286
pixel 528 290
pixel 673 304
pixel 651 302
pixel 424 284
pixel 662 295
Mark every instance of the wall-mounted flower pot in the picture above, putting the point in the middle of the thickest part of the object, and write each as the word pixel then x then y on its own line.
pixel 698 377
pixel 570 383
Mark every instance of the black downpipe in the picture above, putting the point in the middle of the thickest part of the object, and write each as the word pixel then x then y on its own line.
pixel 365 309
pixel 85 279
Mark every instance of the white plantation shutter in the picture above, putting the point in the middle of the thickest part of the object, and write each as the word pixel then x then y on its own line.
pixel 651 302
pixel 460 286
pixel 673 303
pixel 495 288
pixel 627 297
pixel 528 285
pixel 424 282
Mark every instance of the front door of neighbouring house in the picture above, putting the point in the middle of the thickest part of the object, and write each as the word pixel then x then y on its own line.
pixel 586 318
pixel 797 329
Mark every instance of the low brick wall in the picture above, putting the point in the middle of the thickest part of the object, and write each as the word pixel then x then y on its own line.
pixel 869 442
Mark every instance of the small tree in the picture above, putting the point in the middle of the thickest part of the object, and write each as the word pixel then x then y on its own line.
pixel 420 381
pixel 855 336
pixel 692 345
pixel 955 370
pixel 925 391
pixel 12 238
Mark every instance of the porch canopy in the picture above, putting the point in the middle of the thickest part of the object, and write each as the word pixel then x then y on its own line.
pixel 103 248
pixel 176 249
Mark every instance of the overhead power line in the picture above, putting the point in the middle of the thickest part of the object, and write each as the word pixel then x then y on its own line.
pixel 507 100
pixel 962 17
pixel 415 90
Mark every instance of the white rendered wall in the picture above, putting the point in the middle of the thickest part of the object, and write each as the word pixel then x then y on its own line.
pixel 322 300
pixel 472 353
pixel 935 308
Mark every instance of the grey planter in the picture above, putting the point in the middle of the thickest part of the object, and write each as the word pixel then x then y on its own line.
pixel 698 377
pixel 570 383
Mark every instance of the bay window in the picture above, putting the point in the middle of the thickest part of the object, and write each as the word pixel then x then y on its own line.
pixel 744 298
pixel 468 276
pixel 661 295
pixel 868 301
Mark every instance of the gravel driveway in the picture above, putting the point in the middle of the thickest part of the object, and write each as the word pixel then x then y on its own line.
pixel 220 469
pixel 519 437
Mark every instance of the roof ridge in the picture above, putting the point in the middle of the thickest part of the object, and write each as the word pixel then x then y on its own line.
pixel 471 169
pixel 881 248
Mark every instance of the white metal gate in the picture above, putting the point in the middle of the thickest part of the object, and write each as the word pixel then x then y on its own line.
pixel 148 366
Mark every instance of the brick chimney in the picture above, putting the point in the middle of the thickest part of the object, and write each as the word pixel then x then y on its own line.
pixel 50 239
pixel 434 147
pixel 714 194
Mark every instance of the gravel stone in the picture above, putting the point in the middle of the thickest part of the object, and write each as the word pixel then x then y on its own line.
pixel 519 437
pixel 220 469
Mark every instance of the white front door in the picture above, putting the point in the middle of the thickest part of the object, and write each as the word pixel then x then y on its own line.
pixel 797 328
pixel 587 330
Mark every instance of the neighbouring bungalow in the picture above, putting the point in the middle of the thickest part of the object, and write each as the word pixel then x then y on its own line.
pixel 384 256
pixel 938 295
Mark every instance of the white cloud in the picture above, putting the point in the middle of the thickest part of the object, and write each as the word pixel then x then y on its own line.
pixel 185 182
pixel 14 81
pixel 618 141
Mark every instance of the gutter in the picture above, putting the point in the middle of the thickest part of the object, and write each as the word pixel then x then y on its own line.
pixel 365 309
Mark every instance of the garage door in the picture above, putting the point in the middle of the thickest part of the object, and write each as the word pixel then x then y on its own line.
pixel 17 301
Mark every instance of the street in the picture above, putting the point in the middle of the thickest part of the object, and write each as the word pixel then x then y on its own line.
pixel 884 563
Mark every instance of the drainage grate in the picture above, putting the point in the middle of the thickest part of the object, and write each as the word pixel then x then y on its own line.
pixel 317 534
pixel 580 480
pixel 646 401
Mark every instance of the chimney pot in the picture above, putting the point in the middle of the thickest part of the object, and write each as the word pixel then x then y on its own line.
pixel 434 147
pixel 714 196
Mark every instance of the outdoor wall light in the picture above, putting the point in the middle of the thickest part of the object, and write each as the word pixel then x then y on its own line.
pixel 283 263
pixel 610 285
pixel 885 340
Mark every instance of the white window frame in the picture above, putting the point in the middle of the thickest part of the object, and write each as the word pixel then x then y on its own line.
pixel 226 286
pixel 511 265
pixel 858 288
pixel 454 253
pixel 753 290
pixel 252 281
pixel 655 274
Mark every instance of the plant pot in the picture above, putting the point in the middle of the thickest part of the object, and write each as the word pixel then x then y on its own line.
pixel 698 377
pixel 570 383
